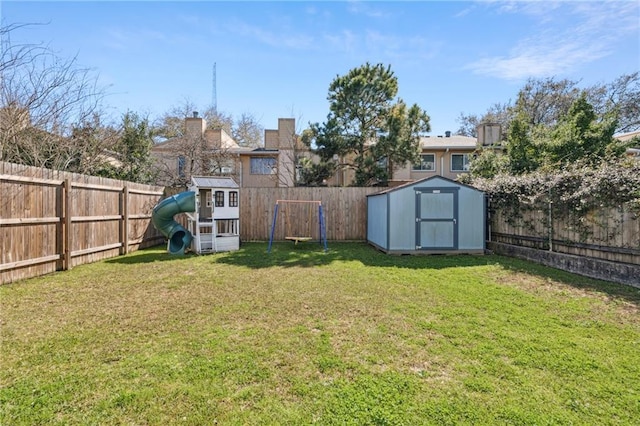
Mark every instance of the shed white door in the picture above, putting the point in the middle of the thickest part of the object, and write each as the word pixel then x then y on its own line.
pixel 436 218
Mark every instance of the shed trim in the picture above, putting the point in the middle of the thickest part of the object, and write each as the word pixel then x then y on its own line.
pixel 408 184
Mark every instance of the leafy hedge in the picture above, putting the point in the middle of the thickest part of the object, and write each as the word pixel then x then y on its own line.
pixel 578 188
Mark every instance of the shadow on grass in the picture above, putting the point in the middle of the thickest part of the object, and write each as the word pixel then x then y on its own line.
pixel 310 254
pixel 612 290
pixel 149 255
pixel 283 254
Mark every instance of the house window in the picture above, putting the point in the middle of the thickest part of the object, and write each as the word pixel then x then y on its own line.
pixel 233 198
pixel 427 163
pixel 219 199
pixel 460 162
pixel 263 165
pixel 208 198
pixel 182 162
pixel 218 168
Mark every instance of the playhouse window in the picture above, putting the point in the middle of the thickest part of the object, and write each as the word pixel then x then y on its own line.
pixel 219 197
pixel 460 162
pixel 427 163
pixel 263 165
pixel 233 198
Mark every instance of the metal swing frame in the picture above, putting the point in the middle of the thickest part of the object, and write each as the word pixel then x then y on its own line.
pixel 321 223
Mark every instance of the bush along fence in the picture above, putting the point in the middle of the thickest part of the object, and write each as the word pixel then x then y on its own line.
pixel 51 220
pixel 588 214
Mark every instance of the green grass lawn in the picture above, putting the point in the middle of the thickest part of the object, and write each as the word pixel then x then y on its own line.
pixel 299 336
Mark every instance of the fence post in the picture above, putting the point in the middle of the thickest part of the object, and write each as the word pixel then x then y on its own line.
pixel 487 209
pixel 550 223
pixel 66 262
pixel 124 220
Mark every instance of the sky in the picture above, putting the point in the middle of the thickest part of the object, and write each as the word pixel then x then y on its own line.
pixel 277 59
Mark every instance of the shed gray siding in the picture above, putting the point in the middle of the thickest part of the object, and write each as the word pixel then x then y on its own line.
pixel 377 220
pixel 393 223
pixel 471 219
pixel 402 220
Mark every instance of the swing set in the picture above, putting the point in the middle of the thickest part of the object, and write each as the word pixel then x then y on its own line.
pixel 294 226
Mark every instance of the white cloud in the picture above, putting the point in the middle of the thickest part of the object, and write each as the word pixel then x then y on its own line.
pixel 263 36
pixel 345 41
pixel 558 47
pixel 357 7
pixel 121 39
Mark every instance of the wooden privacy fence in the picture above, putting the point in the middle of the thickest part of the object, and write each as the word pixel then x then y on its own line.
pixel 52 220
pixel 345 213
pixel 609 233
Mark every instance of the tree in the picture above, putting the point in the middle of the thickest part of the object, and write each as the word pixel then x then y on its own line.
pixel 580 136
pixel 487 164
pixel 521 150
pixel 544 101
pixel 362 113
pixel 314 174
pixel 95 144
pixel 134 148
pixel 620 97
pixel 401 141
pixel 44 99
pixel 497 113
pixel 171 123
pixel 247 131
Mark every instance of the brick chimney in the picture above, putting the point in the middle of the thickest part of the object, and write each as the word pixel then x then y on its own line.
pixel 195 126
pixel 489 133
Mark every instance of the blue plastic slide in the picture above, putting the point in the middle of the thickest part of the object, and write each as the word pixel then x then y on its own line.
pixel 162 218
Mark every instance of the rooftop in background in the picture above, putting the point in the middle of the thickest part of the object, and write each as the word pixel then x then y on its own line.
pixel 451 141
pixel 627 136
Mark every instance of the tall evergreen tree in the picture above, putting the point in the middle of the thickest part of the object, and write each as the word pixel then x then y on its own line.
pixel 580 136
pixel 362 115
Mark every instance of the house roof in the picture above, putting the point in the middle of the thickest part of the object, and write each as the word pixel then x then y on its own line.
pixel 398 188
pixel 259 151
pixel 627 136
pixel 213 182
pixel 443 142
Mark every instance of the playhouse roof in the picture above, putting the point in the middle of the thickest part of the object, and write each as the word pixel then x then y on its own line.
pixel 213 182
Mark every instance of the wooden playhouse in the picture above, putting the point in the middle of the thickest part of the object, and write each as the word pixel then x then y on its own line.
pixel 435 215
pixel 215 225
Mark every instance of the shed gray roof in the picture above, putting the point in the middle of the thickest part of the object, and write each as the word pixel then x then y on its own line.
pixel 213 182
pixel 413 183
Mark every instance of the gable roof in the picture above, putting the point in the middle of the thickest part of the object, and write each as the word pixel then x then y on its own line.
pixel 408 184
pixel 453 141
pixel 627 136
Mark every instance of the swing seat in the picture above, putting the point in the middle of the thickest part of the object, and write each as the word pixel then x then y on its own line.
pixel 297 239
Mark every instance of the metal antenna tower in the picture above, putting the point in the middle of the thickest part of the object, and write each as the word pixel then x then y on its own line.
pixel 214 95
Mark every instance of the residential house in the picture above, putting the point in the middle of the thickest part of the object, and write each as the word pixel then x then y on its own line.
pixel 275 165
pixel 449 155
pixel 634 150
pixel 199 152
pixel 213 152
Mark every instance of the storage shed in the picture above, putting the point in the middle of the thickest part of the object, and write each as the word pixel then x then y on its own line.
pixel 429 216
pixel 215 224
